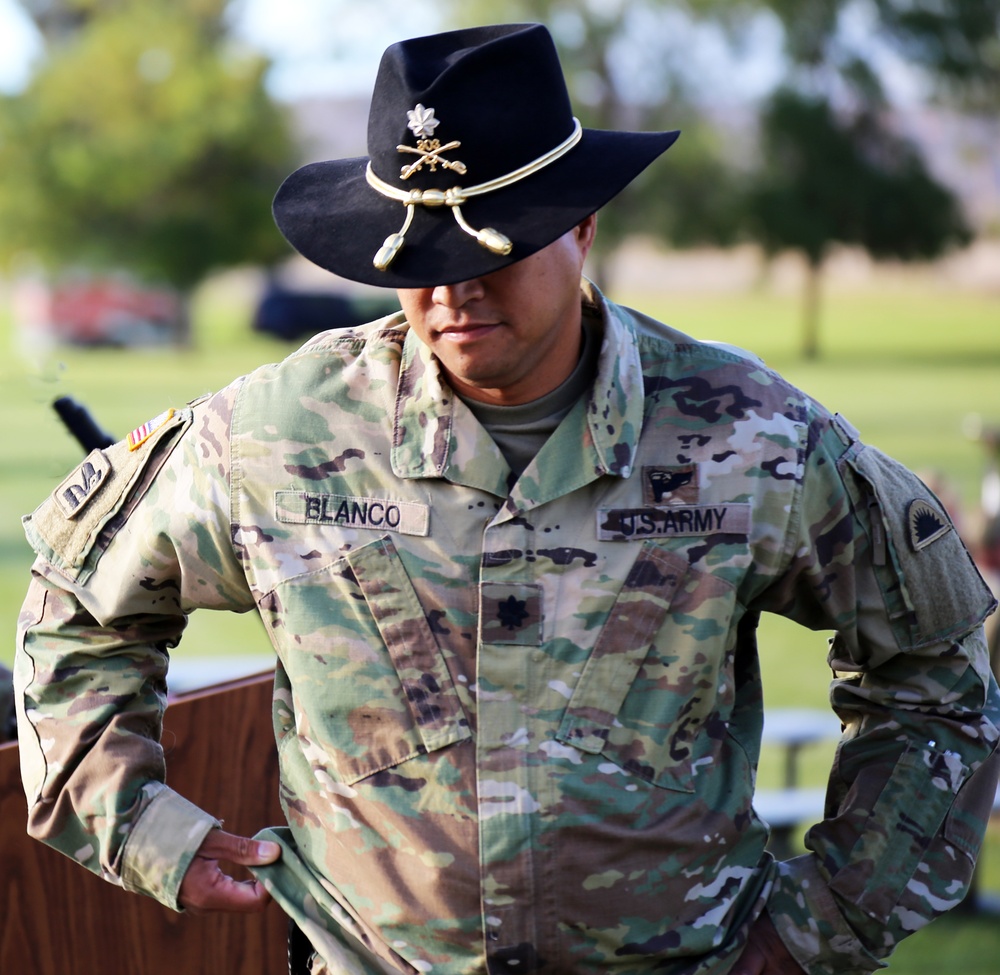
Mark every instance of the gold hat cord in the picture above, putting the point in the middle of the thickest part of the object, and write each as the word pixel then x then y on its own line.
pixel 454 197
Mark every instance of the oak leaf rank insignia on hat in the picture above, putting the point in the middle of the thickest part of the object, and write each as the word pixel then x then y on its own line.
pixel 422 122
pixel 471 132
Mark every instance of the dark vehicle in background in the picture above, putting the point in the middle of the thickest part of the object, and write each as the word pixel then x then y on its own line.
pixel 292 313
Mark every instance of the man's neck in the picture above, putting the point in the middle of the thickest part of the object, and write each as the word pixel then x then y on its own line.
pixel 520 430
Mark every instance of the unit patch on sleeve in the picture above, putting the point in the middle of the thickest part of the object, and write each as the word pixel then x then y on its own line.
pixel 619 524
pixel 925 523
pixel 76 490
pixel 342 511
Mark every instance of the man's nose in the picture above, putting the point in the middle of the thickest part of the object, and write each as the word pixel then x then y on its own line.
pixel 457 295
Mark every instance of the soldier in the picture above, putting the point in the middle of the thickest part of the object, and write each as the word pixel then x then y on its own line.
pixel 510 546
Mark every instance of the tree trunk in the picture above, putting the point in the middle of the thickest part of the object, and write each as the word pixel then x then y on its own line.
pixel 810 310
pixel 182 327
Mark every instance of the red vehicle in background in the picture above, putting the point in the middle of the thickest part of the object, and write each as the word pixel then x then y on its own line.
pixel 105 310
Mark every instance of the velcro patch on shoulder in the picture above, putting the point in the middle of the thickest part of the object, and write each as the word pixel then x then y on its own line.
pixel 930 585
pixel 65 527
pixel 84 483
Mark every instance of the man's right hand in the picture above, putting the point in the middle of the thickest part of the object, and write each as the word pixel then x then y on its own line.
pixel 206 887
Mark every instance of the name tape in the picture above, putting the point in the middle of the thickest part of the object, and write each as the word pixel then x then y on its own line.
pixel 343 511
pixel 616 524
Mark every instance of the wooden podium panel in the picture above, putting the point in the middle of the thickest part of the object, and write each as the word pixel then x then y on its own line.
pixel 56 918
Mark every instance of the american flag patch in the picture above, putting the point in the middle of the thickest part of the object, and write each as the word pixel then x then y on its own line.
pixel 141 434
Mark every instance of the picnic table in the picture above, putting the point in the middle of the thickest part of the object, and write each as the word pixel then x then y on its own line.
pixel 793 805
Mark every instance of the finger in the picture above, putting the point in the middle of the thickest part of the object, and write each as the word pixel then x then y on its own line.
pixel 239 897
pixel 248 898
pixel 207 888
pixel 221 845
pixel 751 962
pixel 765 952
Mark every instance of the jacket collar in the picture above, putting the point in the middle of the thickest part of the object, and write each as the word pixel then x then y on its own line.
pixel 436 435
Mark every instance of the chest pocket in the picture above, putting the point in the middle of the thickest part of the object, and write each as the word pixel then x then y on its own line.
pixel 655 694
pixel 370 685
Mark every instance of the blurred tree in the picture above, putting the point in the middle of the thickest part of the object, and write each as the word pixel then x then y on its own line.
pixel 623 73
pixel 144 141
pixel 619 78
pixel 59 20
pixel 827 180
pixel 955 42
pixel 834 170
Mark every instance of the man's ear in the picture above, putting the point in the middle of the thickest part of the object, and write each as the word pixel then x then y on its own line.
pixel 586 231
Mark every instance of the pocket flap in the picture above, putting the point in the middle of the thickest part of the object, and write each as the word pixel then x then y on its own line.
pixel 622 646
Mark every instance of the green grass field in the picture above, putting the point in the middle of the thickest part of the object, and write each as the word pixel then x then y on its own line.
pixel 906 366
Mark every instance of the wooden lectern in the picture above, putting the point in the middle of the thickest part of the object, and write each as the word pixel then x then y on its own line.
pixel 59 919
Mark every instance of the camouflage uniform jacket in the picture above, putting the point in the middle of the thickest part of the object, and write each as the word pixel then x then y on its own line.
pixel 516 729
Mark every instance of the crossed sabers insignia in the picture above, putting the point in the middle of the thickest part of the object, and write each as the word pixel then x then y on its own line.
pixel 430 151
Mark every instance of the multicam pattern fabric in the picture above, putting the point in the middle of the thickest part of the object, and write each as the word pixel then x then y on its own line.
pixel 518 726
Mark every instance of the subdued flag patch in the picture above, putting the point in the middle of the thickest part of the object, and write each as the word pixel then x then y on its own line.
pixel 141 434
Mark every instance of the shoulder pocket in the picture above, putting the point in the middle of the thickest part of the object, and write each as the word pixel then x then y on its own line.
pixel 930 586
pixel 74 524
pixel 905 816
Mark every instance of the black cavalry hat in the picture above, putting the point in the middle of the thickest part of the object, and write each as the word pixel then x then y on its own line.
pixel 476 161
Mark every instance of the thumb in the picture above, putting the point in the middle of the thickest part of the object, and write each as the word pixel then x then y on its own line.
pixel 220 845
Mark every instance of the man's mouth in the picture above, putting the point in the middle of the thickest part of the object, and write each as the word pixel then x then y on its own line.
pixel 467 330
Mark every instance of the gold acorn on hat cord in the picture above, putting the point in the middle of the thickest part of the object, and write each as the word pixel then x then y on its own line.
pixel 488 237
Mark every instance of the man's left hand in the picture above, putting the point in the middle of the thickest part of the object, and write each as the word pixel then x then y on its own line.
pixel 765 953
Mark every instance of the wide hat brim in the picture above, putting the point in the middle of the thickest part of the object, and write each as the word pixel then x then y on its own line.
pixel 479 117
pixel 330 215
